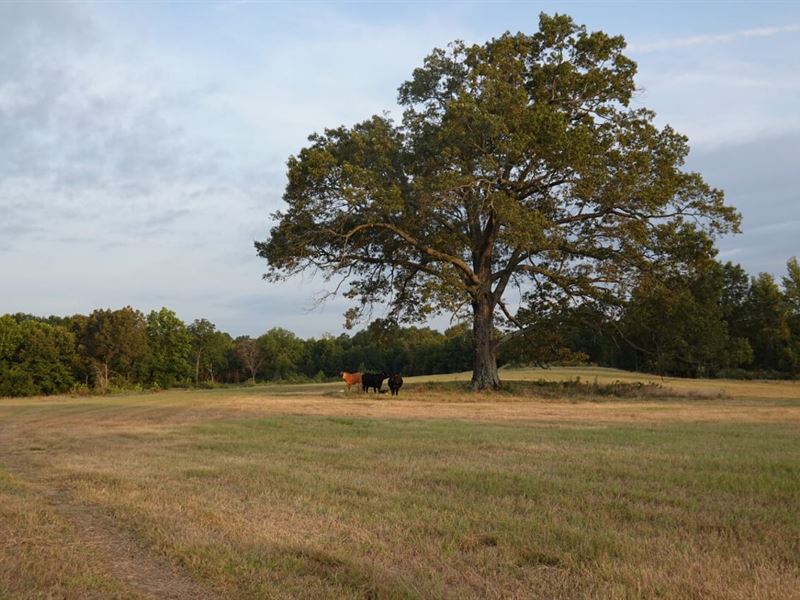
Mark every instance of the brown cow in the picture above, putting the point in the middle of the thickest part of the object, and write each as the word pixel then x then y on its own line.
pixel 350 379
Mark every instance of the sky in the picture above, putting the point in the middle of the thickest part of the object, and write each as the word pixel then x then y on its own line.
pixel 143 145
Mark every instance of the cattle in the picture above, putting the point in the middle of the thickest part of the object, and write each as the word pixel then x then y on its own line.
pixel 395 383
pixel 350 379
pixel 373 380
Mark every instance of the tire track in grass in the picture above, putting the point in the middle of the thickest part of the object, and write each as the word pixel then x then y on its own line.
pixel 117 550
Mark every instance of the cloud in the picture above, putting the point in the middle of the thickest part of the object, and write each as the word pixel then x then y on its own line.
pixel 76 145
pixel 759 178
pixel 725 95
pixel 144 148
pixel 143 166
pixel 711 39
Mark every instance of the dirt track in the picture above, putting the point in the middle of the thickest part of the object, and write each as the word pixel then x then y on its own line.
pixel 115 550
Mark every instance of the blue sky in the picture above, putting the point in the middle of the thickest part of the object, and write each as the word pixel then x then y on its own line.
pixel 143 145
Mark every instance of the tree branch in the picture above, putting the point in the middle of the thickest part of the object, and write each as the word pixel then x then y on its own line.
pixel 457 262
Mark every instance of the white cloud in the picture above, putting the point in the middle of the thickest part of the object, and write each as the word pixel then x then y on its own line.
pixel 728 94
pixel 140 162
pixel 710 39
pixel 142 170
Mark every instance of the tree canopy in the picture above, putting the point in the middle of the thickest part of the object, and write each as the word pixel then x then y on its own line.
pixel 518 163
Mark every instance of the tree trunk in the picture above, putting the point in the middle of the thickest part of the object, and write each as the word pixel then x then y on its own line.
pixel 484 348
pixel 103 376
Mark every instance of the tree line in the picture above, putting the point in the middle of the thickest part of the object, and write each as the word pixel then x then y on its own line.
pixel 127 349
pixel 707 319
pixel 700 319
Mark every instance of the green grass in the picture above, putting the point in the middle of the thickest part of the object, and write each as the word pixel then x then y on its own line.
pixel 501 502
pixel 296 504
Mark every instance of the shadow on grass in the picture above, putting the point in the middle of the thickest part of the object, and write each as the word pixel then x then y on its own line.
pixel 574 390
pixel 300 571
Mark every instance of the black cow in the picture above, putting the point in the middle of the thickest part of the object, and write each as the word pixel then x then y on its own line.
pixel 395 383
pixel 372 380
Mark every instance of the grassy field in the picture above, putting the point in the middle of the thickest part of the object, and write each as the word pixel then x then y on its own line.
pixel 689 490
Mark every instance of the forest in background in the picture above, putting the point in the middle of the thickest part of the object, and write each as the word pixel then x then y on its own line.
pixel 712 320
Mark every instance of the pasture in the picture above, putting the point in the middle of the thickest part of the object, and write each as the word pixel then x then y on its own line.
pixel 303 492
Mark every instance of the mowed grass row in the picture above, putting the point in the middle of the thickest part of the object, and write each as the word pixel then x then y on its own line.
pixel 41 554
pixel 344 506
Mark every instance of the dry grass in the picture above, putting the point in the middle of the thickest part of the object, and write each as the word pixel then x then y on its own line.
pixel 302 491
pixel 41 554
pixel 712 387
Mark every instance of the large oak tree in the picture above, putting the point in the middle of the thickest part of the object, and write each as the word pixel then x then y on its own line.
pixel 519 164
